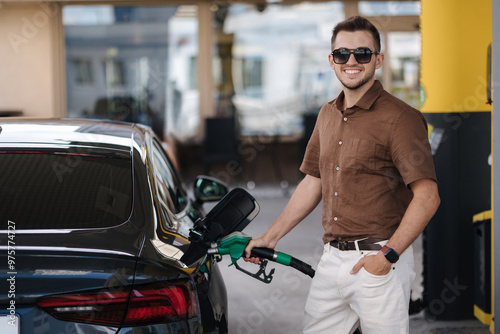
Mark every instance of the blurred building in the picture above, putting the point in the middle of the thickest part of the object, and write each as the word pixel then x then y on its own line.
pixel 171 65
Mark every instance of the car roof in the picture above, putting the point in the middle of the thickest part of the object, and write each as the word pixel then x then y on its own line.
pixel 70 132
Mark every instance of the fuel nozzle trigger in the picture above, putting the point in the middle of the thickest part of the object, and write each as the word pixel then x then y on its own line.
pixel 266 278
pixel 234 244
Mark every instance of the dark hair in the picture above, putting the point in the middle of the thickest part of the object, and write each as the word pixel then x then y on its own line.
pixel 357 23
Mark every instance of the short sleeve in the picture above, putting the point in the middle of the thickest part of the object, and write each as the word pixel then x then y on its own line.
pixel 410 148
pixel 310 163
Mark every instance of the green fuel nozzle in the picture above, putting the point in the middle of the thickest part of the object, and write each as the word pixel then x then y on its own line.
pixel 219 233
pixel 234 245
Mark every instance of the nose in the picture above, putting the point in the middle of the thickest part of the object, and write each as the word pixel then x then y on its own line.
pixel 351 59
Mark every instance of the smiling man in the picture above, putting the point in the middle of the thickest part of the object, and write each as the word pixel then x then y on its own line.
pixel 369 161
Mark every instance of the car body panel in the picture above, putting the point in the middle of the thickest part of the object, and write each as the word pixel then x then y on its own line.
pixel 145 247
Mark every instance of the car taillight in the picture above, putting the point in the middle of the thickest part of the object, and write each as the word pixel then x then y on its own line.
pixel 161 303
pixel 150 303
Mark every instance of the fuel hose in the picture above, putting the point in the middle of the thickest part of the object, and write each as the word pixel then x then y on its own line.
pixel 283 258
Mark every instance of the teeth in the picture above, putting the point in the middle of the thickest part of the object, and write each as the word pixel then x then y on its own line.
pixel 352 71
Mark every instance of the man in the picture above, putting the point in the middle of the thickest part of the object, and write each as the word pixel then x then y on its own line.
pixel 370 162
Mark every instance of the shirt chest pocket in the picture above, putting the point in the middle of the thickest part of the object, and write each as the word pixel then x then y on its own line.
pixel 358 155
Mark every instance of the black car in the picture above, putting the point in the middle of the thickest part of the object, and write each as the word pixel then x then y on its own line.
pixel 94 220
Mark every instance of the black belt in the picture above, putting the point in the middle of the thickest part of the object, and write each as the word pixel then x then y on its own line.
pixel 364 244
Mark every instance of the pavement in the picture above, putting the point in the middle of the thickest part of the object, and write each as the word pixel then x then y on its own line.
pixel 277 308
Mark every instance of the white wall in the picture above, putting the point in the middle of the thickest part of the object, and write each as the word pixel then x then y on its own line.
pixel 32 59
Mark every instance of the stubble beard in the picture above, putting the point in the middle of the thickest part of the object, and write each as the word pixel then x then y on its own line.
pixel 356 85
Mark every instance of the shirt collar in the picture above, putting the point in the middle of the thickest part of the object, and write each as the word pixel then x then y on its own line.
pixel 366 101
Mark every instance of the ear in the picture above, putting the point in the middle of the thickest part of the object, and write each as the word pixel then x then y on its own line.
pixel 379 61
pixel 330 60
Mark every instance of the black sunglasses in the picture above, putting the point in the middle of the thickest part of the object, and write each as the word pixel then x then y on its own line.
pixel 362 55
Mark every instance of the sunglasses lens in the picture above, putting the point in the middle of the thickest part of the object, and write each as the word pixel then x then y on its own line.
pixel 341 56
pixel 363 55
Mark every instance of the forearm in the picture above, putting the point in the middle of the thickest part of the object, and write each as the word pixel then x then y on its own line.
pixel 303 201
pixel 421 209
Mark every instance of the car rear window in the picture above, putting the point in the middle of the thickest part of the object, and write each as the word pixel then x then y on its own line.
pixel 64 190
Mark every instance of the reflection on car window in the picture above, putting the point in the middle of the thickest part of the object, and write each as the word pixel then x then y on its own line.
pixel 141 55
pixel 170 192
pixel 67 190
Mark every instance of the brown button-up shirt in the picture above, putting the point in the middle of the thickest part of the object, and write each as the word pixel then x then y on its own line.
pixel 366 156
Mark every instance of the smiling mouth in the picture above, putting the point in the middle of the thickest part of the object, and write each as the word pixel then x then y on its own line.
pixel 352 71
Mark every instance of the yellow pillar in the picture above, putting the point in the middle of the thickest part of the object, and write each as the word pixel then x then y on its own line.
pixel 455 39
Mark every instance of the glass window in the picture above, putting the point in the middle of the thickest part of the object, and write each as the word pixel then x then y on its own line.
pixel 114 71
pixel 182 104
pixel 170 190
pixel 83 73
pixel 389 8
pixel 193 73
pixel 280 68
pixel 404 60
pixel 133 64
pixel 251 71
pixel 64 191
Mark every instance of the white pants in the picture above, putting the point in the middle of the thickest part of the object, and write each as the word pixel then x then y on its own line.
pixel 338 301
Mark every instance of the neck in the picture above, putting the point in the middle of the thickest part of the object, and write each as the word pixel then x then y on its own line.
pixel 351 96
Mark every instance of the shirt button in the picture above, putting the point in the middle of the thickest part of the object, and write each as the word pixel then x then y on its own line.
pixel 337 168
pixel 335 218
pixel 340 142
pixel 336 194
pixel 345 119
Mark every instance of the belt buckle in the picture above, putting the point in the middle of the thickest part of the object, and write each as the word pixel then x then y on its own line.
pixel 343 245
